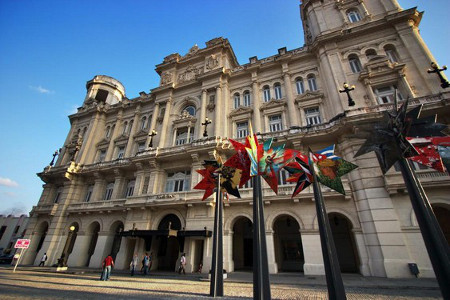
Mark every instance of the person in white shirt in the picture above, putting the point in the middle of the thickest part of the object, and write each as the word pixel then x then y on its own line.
pixel 182 264
pixel 43 260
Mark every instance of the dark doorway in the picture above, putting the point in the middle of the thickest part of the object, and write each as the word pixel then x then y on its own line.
pixel 117 228
pixel 443 217
pixel 94 228
pixel 288 245
pixel 345 243
pixel 169 248
pixel 243 244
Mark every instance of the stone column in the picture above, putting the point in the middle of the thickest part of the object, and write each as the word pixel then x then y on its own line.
pixel 139 175
pixel 292 109
pixel 218 113
pixel 312 251
pixel 152 125
pixel 78 258
pixel 256 104
pixel 99 187
pixel 122 262
pixel 364 267
pixel 91 138
pixel 165 124
pixel 228 263
pixel 225 111
pixel 202 112
pixel 119 185
pixel 97 257
pixel 273 268
pixel 114 135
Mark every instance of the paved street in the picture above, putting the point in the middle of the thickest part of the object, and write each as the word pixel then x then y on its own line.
pixel 44 283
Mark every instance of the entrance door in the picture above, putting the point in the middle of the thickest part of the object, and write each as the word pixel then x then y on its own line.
pixel 345 243
pixel 243 244
pixel 288 245
pixel 443 217
pixel 169 248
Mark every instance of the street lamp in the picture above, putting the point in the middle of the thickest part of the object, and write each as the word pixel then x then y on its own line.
pixel 435 69
pixel 207 121
pixel 347 90
pixel 150 145
pixel 54 156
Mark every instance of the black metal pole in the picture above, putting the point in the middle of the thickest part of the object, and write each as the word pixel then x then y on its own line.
pixel 437 246
pixel 335 284
pixel 216 285
pixel 261 280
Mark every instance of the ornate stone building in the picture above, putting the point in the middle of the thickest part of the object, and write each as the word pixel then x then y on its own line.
pixel 110 192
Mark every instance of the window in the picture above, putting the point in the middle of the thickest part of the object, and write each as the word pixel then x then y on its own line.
pixel 415 166
pixel 130 188
pixel 386 94
pixel 248 184
pixel 391 53
pixel 312 83
pixel 120 152
pixel 145 184
pixel 108 132
pixel 109 190
pixel 266 93
pixel 355 65
pixel 143 123
pixel 101 95
pixel 178 182
pixel 182 136
pixel 242 129
pixel 16 229
pixel 125 127
pixel 190 110
pixel 141 147
pixel 353 16
pixel 370 53
pixel 312 116
pixel 130 126
pixel 277 88
pixel 58 195
pixel 101 155
pixel 247 100
pixel 275 123
pixel 89 191
pixel 237 100
pixel 283 175
pixel 300 86
pixel 2 231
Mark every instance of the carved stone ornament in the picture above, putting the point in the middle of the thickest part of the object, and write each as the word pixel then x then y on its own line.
pixel 212 62
pixel 193 50
pixel 172 58
pixel 166 78
pixel 189 75
pixel 214 41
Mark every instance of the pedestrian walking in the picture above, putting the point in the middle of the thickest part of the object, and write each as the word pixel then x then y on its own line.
pixel 150 258
pixel 108 263
pixel 182 264
pixel 146 262
pixel 134 263
pixel 43 260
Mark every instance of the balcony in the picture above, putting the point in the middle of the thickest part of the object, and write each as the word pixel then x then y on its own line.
pixel 428 178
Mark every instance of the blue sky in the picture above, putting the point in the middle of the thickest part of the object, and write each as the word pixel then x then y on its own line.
pixel 49 49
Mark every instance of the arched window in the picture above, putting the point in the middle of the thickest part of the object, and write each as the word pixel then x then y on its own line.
pixel 190 109
pixel 353 16
pixel 370 53
pixel 237 100
pixel 391 53
pixel 247 100
pixel 266 93
pixel 312 82
pixel 299 85
pixel 277 89
pixel 143 123
pixel 355 65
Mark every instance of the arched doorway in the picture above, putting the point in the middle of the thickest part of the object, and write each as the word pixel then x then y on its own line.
pixel 116 229
pixel 42 233
pixel 288 244
pixel 70 242
pixel 243 244
pixel 345 243
pixel 92 231
pixel 169 247
pixel 443 217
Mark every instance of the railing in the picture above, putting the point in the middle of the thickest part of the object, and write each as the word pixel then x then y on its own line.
pixel 120 161
pixel 97 205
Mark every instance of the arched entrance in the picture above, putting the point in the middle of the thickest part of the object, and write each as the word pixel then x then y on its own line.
pixel 116 229
pixel 442 214
pixel 42 233
pixel 169 247
pixel 70 242
pixel 288 244
pixel 92 231
pixel 345 243
pixel 243 244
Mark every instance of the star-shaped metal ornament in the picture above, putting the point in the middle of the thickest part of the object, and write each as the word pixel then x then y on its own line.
pixel 229 179
pixel 329 168
pixel 240 160
pixel 388 138
pixel 300 173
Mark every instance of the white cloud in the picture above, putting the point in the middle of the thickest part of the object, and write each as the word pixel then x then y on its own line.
pixel 10 194
pixel 8 182
pixel 41 90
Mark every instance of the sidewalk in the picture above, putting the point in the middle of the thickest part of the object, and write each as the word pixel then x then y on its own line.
pixel 292 279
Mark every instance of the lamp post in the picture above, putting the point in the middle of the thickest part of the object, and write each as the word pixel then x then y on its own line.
pixel 62 261
pixel 207 121
pixel 150 145
pixel 435 69
pixel 54 156
pixel 347 90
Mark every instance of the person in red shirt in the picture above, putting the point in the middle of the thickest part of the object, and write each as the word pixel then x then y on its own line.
pixel 108 263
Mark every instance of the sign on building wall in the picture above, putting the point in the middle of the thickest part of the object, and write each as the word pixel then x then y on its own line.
pixel 22 243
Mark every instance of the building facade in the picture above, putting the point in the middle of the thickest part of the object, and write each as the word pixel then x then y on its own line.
pixel 11 229
pixel 117 188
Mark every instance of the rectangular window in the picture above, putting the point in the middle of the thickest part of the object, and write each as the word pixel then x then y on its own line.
pixel 247 99
pixel 2 231
pixel 16 229
pixel 178 182
pixel 248 184
pixel 266 93
pixel 101 95
pixel 242 129
pixel 145 184
pixel 282 177
pixel 141 147
pixel 89 191
pixel 58 195
pixel 182 137
pixel 130 188
pixel 109 190
pixel 313 116
pixel 275 123
pixel 300 87
pixel 101 155
pixel 386 94
pixel 120 152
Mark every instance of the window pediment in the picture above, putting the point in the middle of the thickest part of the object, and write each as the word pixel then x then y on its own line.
pixel 185 120
pixel 141 133
pixel 309 95
pixel 103 142
pixel 121 138
pixel 273 104
pixel 241 110
pixel 380 66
